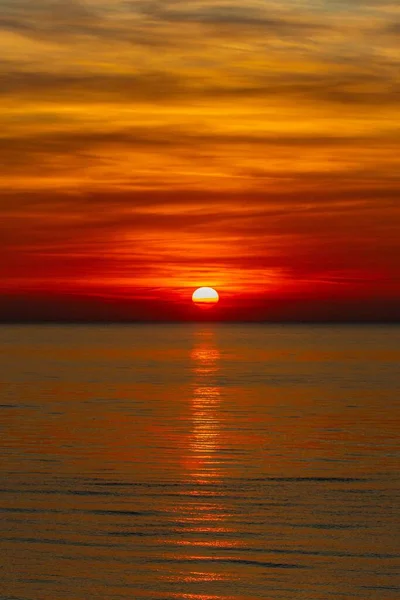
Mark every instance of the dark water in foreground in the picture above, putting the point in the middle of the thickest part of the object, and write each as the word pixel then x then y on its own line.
pixel 199 462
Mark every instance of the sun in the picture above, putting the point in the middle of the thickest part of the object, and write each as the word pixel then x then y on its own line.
pixel 205 297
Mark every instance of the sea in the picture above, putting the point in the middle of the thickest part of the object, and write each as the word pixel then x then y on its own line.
pixel 199 462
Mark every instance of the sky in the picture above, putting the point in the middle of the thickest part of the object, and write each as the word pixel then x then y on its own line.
pixel 151 147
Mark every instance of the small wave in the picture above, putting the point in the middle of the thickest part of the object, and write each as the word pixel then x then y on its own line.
pixel 233 561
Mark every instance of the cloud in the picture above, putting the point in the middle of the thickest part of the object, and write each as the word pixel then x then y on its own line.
pixel 93 87
pixel 47 17
pixel 174 86
pixel 59 22
pixel 62 150
pixel 392 28
pixel 227 15
pixel 172 25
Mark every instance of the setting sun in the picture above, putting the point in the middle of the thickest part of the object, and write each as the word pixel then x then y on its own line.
pixel 205 297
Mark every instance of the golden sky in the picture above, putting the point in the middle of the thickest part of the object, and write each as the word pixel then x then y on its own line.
pixel 151 147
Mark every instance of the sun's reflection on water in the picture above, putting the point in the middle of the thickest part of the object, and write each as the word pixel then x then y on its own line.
pixel 203 514
pixel 204 440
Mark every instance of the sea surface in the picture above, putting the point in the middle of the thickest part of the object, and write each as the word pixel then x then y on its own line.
pixel 199 462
